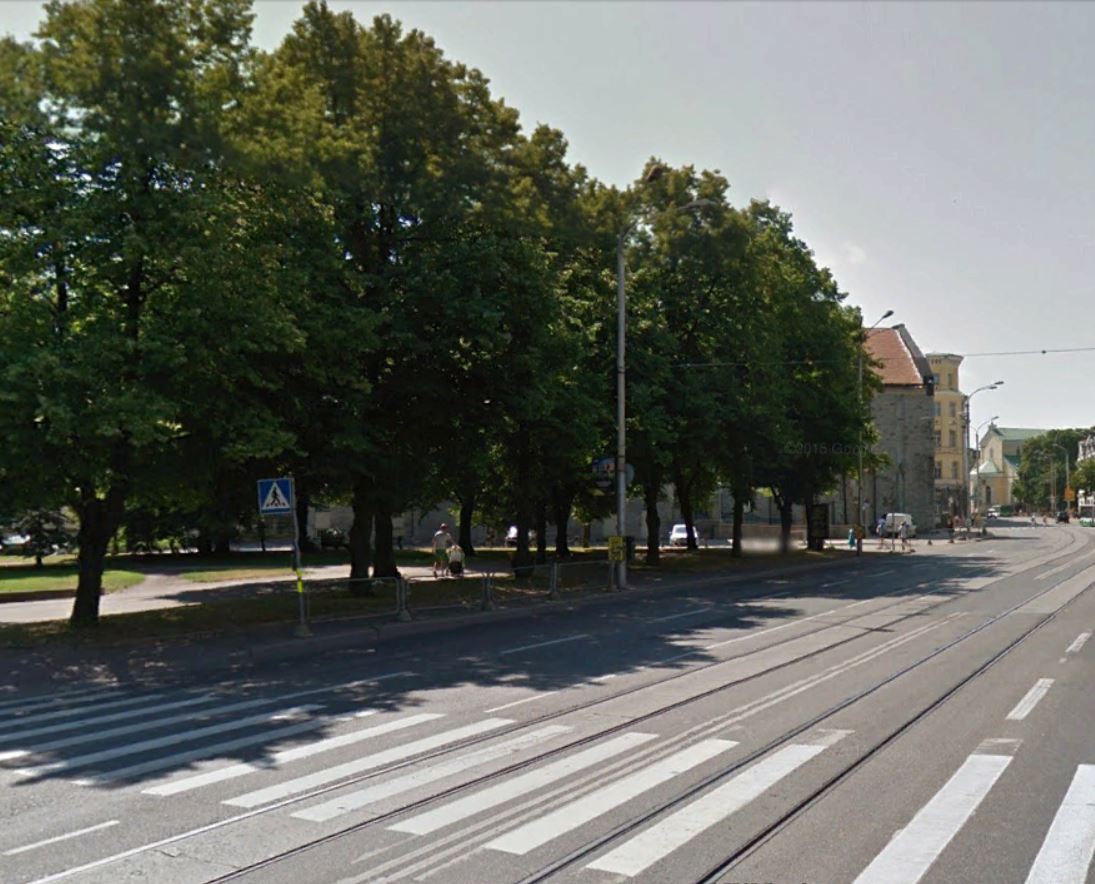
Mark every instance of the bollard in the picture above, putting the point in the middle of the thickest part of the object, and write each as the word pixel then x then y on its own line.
pixel 302 630
pixel 488 602
pixel 554 593
pixel 401 593
pixel 611 576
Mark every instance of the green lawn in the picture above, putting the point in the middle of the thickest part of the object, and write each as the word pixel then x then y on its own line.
pixel 59 577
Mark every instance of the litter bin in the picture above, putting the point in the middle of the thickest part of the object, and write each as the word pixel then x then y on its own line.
pixel 630 541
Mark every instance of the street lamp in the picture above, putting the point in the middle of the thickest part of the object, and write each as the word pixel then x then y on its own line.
pixel 966 449
pixel 859 477
pixel 977 445
pixel 621 366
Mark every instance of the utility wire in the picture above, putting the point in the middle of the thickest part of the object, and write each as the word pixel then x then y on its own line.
pixel 904 358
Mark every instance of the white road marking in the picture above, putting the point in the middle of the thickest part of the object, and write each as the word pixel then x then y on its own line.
pixel 1025 706
pixel 554 641
pixel 835 583
pixel 692 613
pixel 14 705
pixel 364 797
pixel 286 756
pixel 72 711
pixel 515 787
pixel 368 762
pixel 525 700
pixel 65 837
pixel 182 736
pixel 1070 843
pixel 166 761
pixel 911 852
pixel 102 719
pixel 577 813
pixel 642 851
pixel 1078 644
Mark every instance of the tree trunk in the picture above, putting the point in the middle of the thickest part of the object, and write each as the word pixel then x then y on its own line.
pixel 739 517
pixel 38 560
pixel 786 512
pixel 522 555
pixel 303 504
pixel 541 534
pixel 361 534
pixel 561 514
pixel 684 496
pixel 98 520
pixel 652 489
pixel 467 510
pixel 222 544
pixel 384 564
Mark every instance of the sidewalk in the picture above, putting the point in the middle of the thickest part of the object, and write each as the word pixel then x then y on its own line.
pixel 166 588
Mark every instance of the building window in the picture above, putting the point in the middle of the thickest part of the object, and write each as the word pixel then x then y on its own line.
pixel 952 438
pixel 938 409
pixel 939 469
pixel 954 409
pixel 954 469
pixel 935 379
pixel 950 380
pixel 938 438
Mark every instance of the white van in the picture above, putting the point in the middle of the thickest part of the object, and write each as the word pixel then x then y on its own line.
pixel 893 524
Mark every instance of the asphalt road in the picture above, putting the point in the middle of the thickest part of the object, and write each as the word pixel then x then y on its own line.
pixel 902 718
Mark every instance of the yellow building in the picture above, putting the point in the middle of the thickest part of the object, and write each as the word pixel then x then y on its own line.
pixel 950 432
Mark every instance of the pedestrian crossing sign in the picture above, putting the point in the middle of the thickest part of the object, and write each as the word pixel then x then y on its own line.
pixel 275 496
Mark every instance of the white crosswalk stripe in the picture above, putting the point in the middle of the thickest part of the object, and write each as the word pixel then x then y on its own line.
pixel 577 813
pixel 103 719
pixel 1025 706
pixel 517 786
pixel 364 797
pixel 913 849
pixel 15 705
pixel 1065 856
pixel 167 740
pixel 72 711
pixel 672 833
pixel 212 750
pixel 369 762
pixel 286 756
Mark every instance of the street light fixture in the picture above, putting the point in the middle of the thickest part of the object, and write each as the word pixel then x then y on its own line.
pixel 621 365
pixel 966 450
pixel 859 474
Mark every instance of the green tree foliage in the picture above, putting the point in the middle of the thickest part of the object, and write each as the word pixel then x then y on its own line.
pixel 345 260
pixel 1042 478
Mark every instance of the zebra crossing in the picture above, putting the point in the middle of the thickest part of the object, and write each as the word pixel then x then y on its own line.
pixel 109 737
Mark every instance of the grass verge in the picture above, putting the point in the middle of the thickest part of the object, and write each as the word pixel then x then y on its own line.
pixel 52 578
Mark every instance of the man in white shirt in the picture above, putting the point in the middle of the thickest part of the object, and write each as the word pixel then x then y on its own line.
pixel 442 540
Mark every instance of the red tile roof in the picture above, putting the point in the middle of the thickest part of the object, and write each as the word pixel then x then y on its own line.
pixel 901 364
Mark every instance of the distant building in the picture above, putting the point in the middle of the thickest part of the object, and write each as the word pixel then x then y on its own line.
pixel 951 433
pixel 903 414
pixel 1001 451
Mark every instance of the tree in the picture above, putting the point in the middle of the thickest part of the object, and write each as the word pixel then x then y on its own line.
pixel 122 246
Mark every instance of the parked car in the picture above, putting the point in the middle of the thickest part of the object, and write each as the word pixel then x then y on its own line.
pixel 333 538
pixel 678 536
pixel 893 523
pixel 1063 516
pixel 993 512
pixel 15 545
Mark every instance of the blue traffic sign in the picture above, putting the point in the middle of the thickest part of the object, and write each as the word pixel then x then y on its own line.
pixel 275 496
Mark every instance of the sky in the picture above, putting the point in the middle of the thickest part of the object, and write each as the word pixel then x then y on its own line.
pixel 937 157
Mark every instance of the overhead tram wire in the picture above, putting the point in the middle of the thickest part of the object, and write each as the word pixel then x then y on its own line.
pixel 757 362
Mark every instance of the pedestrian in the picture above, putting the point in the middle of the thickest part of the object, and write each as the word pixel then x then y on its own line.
pixel 1034 520
pixel 881 529
pixel 1045 520
pixel 950 529
pixel 456 560
pixel 442 540
pixel 903 533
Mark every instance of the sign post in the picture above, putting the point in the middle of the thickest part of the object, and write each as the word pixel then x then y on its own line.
pixel 277 497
